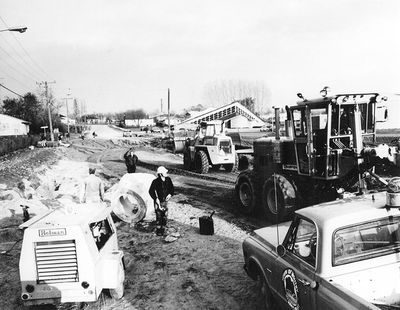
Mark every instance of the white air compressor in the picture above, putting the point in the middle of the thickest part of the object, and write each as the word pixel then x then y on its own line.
pixel 71 255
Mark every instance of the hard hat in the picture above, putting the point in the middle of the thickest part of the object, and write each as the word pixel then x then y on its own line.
pixel 162 170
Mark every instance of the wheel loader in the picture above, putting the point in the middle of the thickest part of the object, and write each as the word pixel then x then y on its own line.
pixel 210 148
pixel 328 149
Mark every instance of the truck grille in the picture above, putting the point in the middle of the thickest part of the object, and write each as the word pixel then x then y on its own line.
pixel 56 261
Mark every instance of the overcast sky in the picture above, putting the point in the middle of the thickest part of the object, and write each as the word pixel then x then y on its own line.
pixel 118 55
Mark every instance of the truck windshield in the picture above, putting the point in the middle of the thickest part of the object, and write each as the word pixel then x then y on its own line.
pixel 364 241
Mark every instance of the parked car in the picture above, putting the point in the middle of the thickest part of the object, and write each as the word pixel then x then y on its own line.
pixel 127 133
pixel 337 255
pixel 155 130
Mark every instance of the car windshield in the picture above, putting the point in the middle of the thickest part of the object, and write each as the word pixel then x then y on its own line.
pixel 366 241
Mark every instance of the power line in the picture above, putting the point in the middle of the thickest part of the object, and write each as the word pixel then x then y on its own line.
pixel 26 53
pixel 22 62
pixel 1 85
pixel 17 70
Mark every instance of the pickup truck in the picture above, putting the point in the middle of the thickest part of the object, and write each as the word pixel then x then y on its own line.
pixel 343 254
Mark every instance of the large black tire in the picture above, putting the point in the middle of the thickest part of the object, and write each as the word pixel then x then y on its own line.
pixel 187 163
pixel 245 190
pixel 232 167
pixel 278 198
pixel 243 162
pixel 201 164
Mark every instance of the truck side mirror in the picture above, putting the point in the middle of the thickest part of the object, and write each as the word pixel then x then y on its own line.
pixel 281 250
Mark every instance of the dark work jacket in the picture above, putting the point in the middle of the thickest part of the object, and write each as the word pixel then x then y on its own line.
pixel 130 160
pixel 161 189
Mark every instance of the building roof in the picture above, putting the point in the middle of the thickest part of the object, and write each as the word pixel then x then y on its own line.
pixel 225 112
pixel 5 116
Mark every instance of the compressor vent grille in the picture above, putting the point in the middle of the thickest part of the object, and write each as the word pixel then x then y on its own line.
pixel 56 261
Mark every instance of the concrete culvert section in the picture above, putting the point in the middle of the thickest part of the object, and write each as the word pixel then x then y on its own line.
pixel 130 197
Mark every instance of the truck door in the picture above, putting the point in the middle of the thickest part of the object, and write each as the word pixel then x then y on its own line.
pixel 302 140
pixel 296 269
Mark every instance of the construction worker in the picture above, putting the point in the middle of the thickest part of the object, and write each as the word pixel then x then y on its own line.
pixel 92 188
pixel 161 190
pixel 24 195
pixel 130 160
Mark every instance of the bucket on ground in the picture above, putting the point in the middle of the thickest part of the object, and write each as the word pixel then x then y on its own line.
pixel 206 224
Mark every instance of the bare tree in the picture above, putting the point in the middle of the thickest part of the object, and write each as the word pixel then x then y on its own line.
pixel 221 92
pixel 76 112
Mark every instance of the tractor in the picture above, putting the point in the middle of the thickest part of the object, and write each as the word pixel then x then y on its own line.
pixel 328 150
pixel 210 148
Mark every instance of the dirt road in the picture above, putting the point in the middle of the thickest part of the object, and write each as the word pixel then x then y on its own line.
pixel 194 272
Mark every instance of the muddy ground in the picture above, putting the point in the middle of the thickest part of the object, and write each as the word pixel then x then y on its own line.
pixel 194 272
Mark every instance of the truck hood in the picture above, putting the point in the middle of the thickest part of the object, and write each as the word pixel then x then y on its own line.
pixel 378 285
pixel 270 234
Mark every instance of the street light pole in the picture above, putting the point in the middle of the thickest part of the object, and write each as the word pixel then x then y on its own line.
pixel 15 29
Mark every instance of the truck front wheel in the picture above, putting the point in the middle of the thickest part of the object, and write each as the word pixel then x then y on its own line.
pixel 201 162
pixel 278 198
pixel 245 193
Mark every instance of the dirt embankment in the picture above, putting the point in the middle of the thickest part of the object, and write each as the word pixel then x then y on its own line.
pixel 193 272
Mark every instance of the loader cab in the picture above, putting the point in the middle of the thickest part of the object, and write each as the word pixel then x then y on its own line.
pixel 329 133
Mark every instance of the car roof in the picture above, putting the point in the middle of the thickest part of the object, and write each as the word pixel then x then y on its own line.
pixel 349 211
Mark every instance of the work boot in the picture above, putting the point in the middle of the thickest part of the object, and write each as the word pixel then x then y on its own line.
pixel 160 231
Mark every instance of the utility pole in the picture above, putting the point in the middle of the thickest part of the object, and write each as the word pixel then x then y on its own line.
pixel 161 106
pixel 169 124
pixel 48 106
pixel 66 104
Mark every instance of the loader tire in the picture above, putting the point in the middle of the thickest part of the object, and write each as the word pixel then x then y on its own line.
pixel 245 190
pixel 243 163
pixel 187 163
pixel 201 162
pixel 232 167
pixel 278 198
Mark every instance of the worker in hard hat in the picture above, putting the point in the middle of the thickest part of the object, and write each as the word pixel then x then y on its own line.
pixel 161 190
pixel 92 188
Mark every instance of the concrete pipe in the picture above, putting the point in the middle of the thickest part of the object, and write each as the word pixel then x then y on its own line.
pixel 131 201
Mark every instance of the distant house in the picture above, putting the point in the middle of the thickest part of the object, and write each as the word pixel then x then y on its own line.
pixel 12 126
pixel 66 120
pixel 143 122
